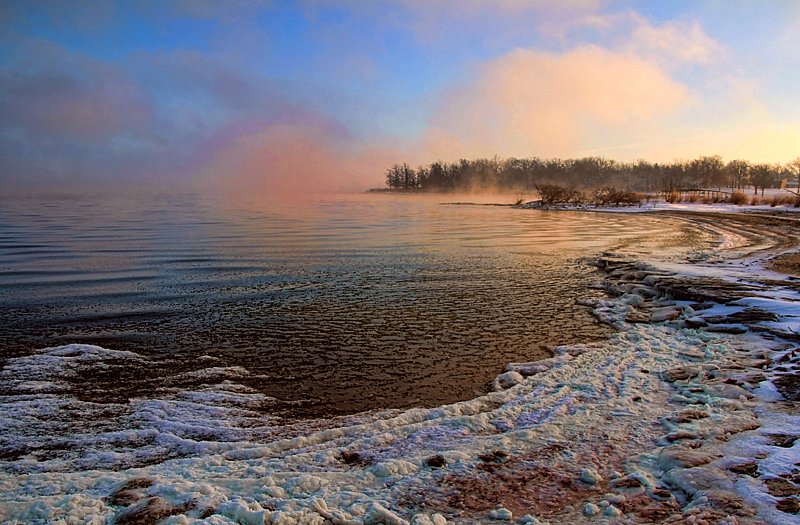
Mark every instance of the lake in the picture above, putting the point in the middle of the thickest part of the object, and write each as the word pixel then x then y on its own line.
pixel 333 305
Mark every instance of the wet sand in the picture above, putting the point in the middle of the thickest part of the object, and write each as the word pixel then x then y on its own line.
pixel 772 236
pixel 788 264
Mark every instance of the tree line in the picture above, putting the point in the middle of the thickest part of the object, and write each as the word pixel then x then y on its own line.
pixel 591 172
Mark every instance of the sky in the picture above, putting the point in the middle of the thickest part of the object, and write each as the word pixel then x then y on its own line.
pixel 321 94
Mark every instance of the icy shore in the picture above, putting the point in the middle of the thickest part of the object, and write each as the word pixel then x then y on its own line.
pixel 688 414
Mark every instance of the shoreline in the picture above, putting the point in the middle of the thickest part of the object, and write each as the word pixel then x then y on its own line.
pixel 628 430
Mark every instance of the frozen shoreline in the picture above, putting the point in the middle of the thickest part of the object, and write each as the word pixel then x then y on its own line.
pixel 665 421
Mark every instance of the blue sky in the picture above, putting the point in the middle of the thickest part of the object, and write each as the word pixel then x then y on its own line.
pixel 277 93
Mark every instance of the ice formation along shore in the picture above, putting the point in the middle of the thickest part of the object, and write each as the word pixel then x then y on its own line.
pixel 677 418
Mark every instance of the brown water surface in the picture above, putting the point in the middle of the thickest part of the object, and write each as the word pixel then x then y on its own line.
pixel 338 305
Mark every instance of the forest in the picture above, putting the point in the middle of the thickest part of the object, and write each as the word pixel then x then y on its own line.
pixel 589 173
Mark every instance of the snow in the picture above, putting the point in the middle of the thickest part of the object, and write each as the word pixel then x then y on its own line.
pixel 711 207
pixel 651 420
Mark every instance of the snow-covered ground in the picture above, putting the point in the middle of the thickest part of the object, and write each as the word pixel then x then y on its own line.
pixel 675 419
pixel 713 207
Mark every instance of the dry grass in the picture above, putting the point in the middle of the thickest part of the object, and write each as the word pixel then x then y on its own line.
pixel 738 198
pixel 694 197
pixel 672 197
pixel 768 201
pixel 754 200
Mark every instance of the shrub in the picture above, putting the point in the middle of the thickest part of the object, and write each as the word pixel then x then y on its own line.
pixel 611 195
pixel 738 198
pixel 578 197
pixel 768 201
pixel 555 193
pixel 754 200
pixel 672 197
pixel 694 197
pixel 797 201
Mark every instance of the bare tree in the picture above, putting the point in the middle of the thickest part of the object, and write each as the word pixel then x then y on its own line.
pixel 737 171
pixel 760 176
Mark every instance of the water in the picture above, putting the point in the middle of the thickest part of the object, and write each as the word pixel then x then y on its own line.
pixel 331 306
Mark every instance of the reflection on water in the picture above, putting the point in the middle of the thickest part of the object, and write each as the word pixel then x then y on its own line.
pixel 349 303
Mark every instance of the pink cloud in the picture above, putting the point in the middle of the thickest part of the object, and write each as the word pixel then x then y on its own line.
pixel 538 103
pixel 300 158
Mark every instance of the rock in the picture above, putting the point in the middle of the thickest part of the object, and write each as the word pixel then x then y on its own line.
pixel 729 502
pixel 507 380
pixel 680 373
pixel 626 483
pixel 721 329
pixel 591 509
pixel 702 481
pixel 422 519
pixel 780 488
pixel 783 440
pixel 789 386
pixel 129 492
pixel 378 514
pixel 636 316
pixel 788 505
pixel 728 391
pixel 661 494
pixel 590 476
pixel 501 514
pixel 691 355
pixel 436 461
pixel 612 511
pixel 696 322
pixel 679 435
pixel 736 424
pixel 668 313
pixel 690 414
pixel 151 510
pixel 748 315
pixel 351 458
pixel 498 456
pixel 750 469
pixel 683 457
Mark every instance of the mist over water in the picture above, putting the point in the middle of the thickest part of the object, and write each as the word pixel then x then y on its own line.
pixel 334 305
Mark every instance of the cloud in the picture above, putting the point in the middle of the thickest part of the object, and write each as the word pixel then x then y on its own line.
pixel 539 103
pixel 543 78
pixel 49 92
pixel 655 91
pixel 65 115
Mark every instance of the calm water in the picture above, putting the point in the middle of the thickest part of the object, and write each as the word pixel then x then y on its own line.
pixel 337 305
